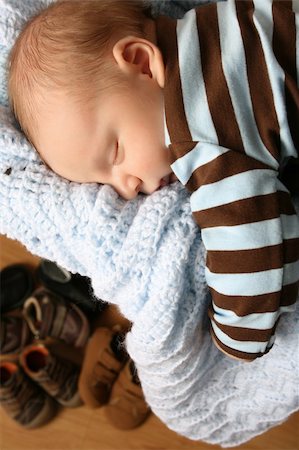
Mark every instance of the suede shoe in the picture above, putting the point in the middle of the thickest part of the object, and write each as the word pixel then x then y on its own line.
pixel 127 407
pixel 21 399
pixel 48 314
pixel 100 368
pixel 58 377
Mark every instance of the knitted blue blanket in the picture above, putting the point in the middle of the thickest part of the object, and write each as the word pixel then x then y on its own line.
pixel 145 256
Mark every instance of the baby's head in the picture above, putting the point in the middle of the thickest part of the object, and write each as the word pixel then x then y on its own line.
pixel 86 85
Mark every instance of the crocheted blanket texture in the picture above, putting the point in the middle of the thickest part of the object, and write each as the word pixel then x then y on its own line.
pixel 145 256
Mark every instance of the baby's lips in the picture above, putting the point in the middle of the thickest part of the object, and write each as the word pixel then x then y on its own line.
pixel 164 181
pixel 138 187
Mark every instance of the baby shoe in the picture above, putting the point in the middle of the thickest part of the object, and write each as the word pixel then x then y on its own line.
pixel 74 287
pixel 14 336
pixel 127 407
pixel 21 399
pixel 101 366
pixel 16 285
pixel 48 314
pixel 58 377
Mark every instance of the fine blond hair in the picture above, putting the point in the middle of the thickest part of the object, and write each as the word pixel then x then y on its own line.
pixel 66 46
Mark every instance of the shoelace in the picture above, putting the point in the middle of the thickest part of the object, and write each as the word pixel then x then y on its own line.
pixel 32 313
pixel 42 326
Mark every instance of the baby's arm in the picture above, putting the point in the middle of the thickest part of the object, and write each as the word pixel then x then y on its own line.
pixel 251 234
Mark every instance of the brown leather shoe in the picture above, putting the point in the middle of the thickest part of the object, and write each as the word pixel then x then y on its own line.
pixel 100 368
pixel 127 407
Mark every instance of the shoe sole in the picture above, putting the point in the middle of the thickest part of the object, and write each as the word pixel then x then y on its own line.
pixel 74 402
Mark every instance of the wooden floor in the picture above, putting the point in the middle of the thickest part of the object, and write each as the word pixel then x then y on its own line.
pixel 85 429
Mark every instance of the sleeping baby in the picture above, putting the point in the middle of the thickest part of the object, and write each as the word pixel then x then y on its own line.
pixel 114 96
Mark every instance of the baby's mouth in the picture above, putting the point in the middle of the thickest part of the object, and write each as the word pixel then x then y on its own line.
pixel 164 181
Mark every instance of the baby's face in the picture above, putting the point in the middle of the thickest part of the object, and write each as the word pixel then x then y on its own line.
pixel 120 141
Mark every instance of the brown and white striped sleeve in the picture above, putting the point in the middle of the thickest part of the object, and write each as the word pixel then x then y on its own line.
pixel 232 105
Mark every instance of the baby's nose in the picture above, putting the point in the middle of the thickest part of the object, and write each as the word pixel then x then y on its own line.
pixel 131 187
pixel 134 183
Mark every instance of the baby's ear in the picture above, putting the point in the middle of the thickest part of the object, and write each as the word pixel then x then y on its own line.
pixel 138 56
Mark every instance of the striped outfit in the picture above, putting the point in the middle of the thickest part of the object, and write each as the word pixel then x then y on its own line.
pixel 232 122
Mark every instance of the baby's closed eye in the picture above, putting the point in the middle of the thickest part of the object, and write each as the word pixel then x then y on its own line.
pixel 117 155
